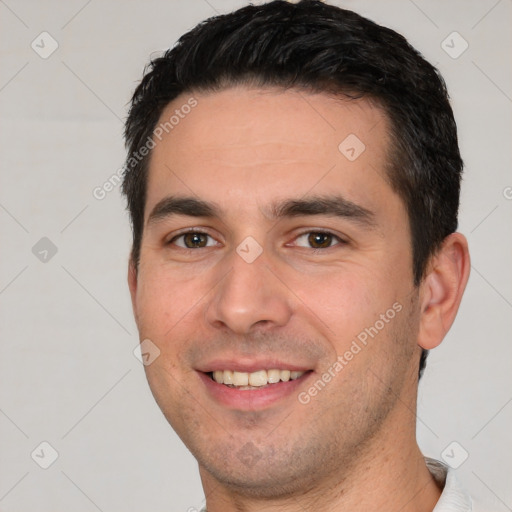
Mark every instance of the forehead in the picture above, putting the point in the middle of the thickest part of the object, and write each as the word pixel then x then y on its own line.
pixel 237 115
pixel 268 142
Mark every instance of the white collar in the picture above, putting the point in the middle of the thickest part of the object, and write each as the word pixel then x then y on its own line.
pixel 453 498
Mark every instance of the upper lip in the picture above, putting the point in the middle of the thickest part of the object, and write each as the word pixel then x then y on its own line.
pixel 248 365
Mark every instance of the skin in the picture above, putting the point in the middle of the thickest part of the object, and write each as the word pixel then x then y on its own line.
pixel 352 446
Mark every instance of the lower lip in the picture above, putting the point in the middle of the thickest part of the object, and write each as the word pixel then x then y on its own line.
pixel 252 399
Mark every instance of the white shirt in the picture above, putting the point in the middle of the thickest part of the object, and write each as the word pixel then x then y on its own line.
pixel 453 498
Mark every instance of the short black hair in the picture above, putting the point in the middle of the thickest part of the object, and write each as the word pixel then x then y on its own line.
pixel 316 47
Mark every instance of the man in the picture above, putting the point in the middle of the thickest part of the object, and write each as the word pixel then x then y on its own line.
pixel 293 183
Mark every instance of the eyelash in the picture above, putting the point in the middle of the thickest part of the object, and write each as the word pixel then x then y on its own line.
pixel 337 240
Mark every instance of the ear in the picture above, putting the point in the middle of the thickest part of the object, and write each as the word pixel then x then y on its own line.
pixel 132 284
pixel 441 290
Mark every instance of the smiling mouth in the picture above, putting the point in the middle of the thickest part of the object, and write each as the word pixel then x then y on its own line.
pixel 254 380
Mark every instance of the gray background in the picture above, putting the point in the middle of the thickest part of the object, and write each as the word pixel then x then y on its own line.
pixel 68 375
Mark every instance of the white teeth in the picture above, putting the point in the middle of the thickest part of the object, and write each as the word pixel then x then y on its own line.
pixel 273 376
pixel 255 379
pixel 285 375
pixel 240 378
pixel 218 376
pixel 258 379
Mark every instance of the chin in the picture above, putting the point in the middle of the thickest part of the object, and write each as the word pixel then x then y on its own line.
pixel 261 473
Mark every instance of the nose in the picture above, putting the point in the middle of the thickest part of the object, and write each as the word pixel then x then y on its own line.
pixel 250 297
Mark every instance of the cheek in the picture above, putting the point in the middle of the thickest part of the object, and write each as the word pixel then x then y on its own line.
pixel 163 298
pixel 346 300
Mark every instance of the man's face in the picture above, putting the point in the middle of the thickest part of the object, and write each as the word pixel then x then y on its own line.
pixel 273 241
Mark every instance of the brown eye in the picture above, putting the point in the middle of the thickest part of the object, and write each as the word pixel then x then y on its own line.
pixel 193 240
pixel 320 240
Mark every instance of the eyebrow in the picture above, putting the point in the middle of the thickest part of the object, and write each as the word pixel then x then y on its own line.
pixel 189 206
pixel 332 205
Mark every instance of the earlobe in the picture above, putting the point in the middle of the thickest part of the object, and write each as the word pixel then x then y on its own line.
pixel 442 289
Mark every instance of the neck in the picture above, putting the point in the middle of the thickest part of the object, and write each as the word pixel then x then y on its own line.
pixel 389 475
